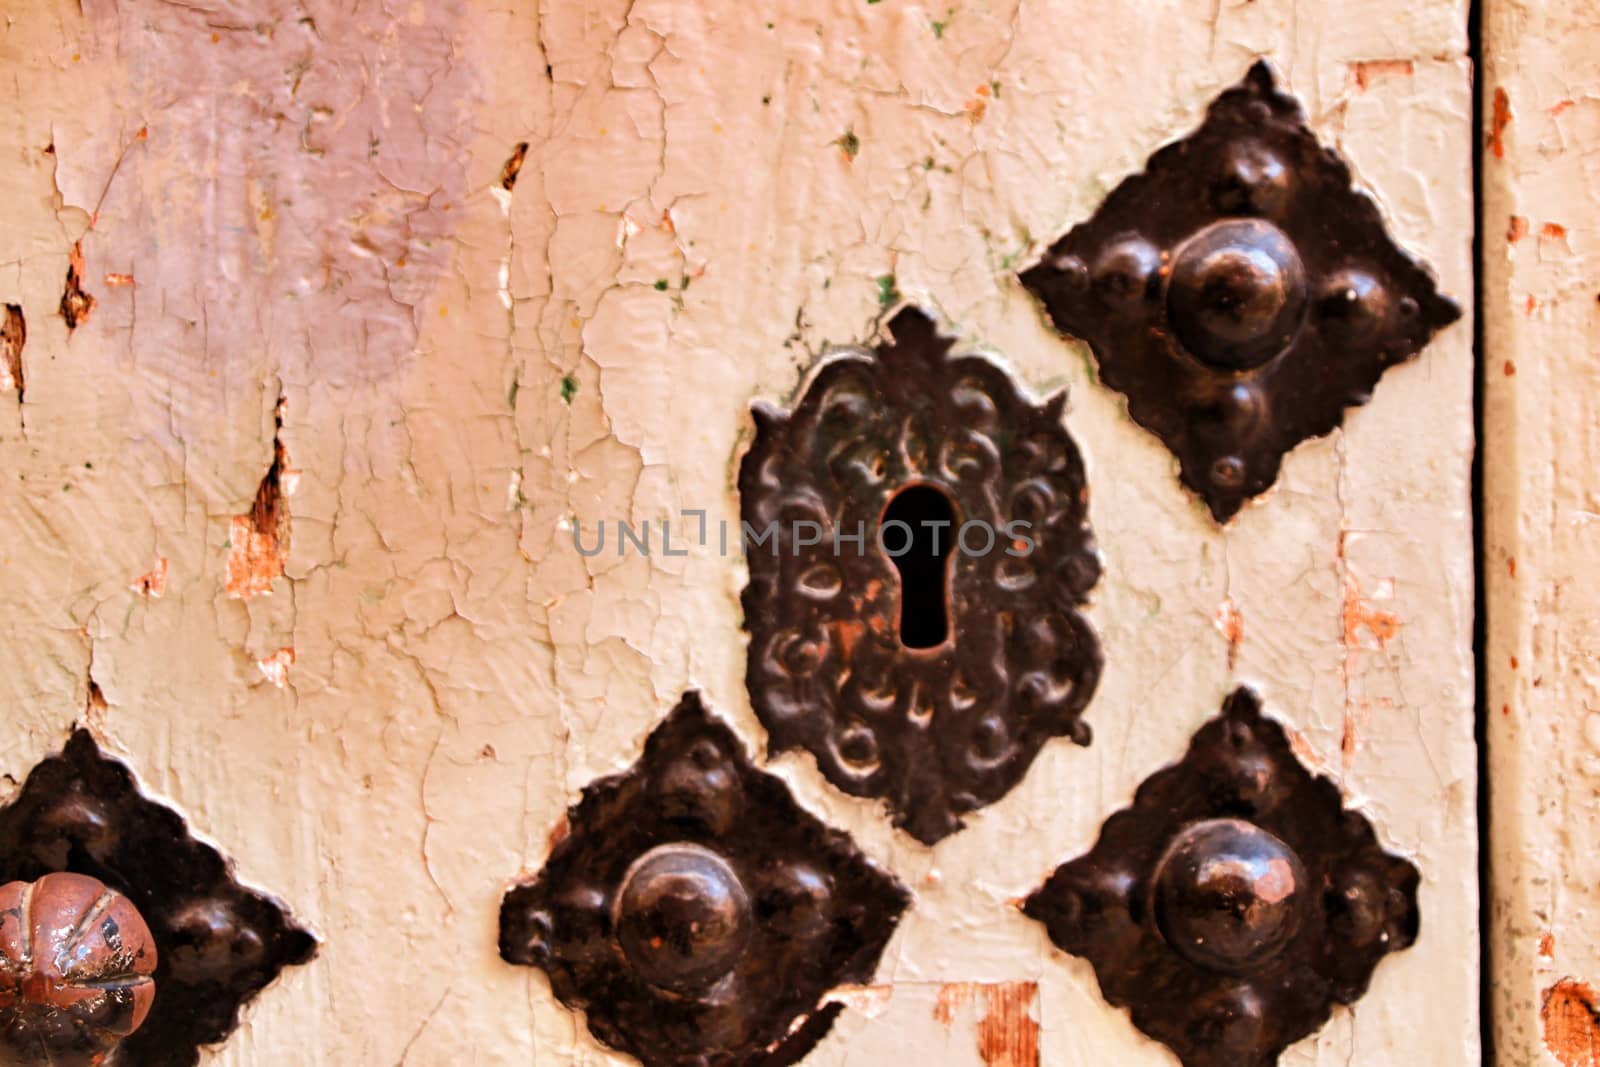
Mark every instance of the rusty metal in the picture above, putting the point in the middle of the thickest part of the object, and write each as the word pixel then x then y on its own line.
pixel 76 961
pixel 1236 901
pixel 217 943
pixel 936 728
pixel 695 912
pixel 1240 292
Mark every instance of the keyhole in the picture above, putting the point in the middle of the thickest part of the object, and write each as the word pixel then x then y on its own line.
pixel 930 517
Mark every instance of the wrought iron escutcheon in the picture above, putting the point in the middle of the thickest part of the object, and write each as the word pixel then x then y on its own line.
pixel 1236 901
pixel 926 677
pixel 1240 292
pixel 695 913
pixel 170 944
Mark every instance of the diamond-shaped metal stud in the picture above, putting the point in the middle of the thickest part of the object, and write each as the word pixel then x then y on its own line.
pixel 218 943
pixel 695 912
pixel 1236 901
pixel 1240 292
pixel 929 682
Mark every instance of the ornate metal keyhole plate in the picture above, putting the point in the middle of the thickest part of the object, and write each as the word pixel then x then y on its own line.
pixel 1236 901
pixel 217 943
pixel 1240 292
pixel 695 912
pixel 936 730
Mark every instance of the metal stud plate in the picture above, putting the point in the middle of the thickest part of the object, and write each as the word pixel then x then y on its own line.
pixel 1240 292
pixel 695 912
pixel 1236 901
pixel 218 943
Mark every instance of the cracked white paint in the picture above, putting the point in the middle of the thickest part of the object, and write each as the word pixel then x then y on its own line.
pixel 458 671
pixel 1541 235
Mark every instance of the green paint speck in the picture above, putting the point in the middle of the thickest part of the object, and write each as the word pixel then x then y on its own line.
pixel 938 29
pixel 849 144
pixel 569 388
pixel 888 295
pixel 661 285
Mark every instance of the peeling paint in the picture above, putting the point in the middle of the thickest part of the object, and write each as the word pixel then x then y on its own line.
pixel 1368 71
pixel 258 541
pixel 13 336
pixel 1229 621
pixel 1359 615
pixel 1571 1024
pixel 513 167
pixel 1499 122
pixel 1007 1034
pixel 153 583
pixel 76 305
pixel 275 668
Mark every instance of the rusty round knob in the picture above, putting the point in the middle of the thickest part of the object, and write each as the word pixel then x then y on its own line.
pixel 683 917
pixel 1228 894
pixel 1237 294
pixel 76 961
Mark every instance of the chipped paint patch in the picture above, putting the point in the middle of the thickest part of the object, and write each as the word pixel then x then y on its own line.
pixel 13 335
pixel 258 541
pixel 76 304
pixel 1007 1034
pixel 275 668
pixel 1502 119
pixel 152 585
pixel 513 167
pixel 1571 1024
pixel 1229 622
pixel 1368 71
pixel 1359 615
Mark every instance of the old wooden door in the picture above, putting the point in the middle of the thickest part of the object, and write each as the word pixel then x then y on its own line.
pixel 382 382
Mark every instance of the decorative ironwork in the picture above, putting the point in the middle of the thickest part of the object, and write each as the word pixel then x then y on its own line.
pixel 217 943
pixel 931 686
pixel 695 912
pixel 1236 901
pixel 76 961
pixel 1240 292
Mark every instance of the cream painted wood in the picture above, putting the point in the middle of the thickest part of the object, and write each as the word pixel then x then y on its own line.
pixel 273 207
pixel 1541 230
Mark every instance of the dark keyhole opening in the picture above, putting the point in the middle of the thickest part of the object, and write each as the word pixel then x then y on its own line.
pixel 924 618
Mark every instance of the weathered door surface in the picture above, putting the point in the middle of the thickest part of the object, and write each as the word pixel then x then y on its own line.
pixel 388 389
pixel 1540 484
